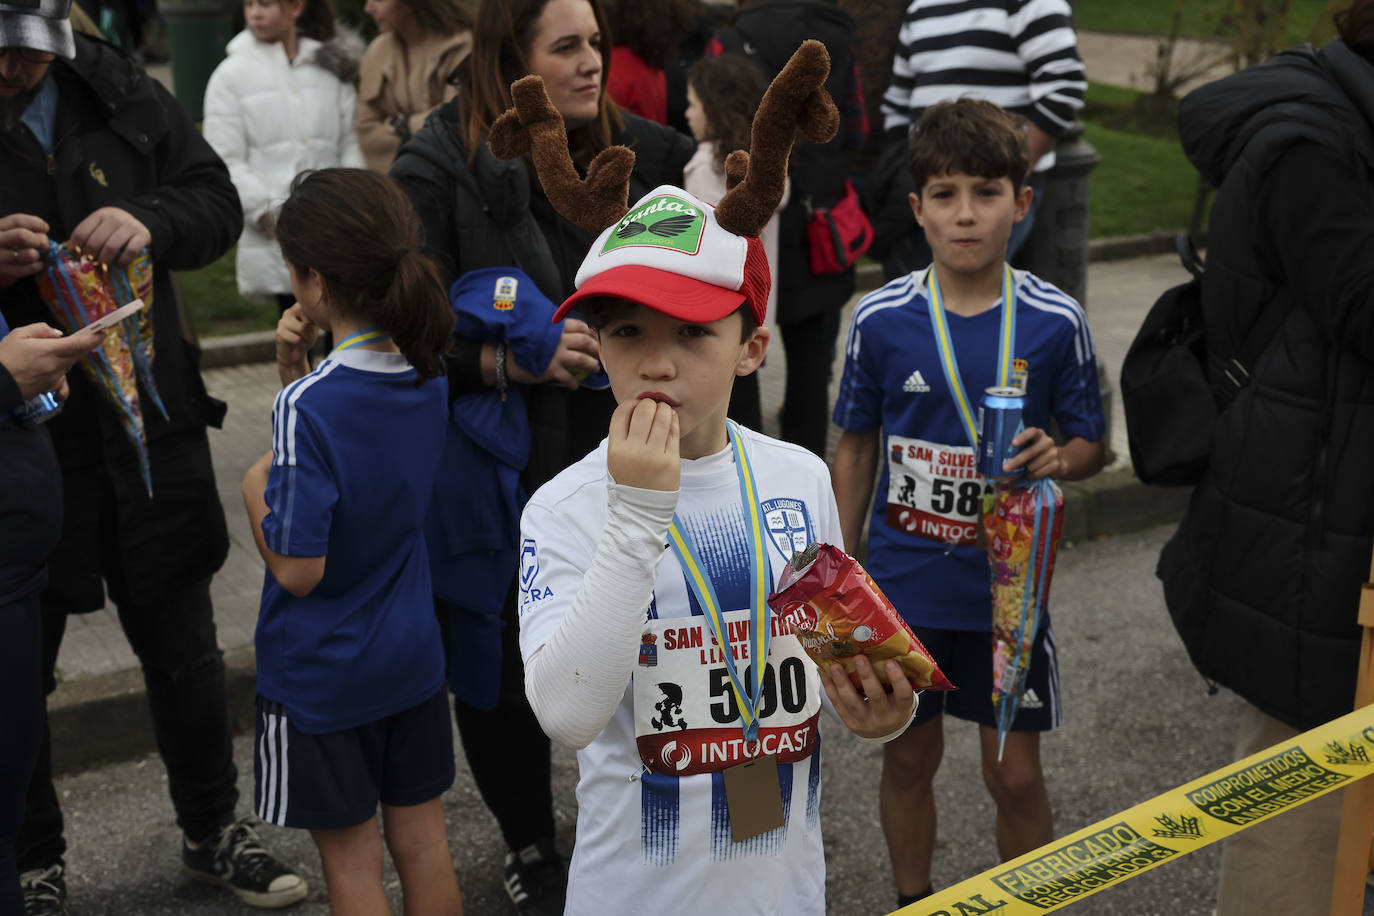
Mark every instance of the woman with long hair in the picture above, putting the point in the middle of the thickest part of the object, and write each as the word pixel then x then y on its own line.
pixel 483 212
pixel 407 71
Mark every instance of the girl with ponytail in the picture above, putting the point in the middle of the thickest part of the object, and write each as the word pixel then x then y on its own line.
pixel 351 706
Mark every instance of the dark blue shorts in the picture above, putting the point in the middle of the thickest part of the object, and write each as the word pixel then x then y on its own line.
pixel 966 659
pixel 334 780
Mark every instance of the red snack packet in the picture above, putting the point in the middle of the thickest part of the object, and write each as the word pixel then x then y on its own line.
pixel 837 612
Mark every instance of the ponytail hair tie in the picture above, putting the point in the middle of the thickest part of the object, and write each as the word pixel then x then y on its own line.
pixel 398 254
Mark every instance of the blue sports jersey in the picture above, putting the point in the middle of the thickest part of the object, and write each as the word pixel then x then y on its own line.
pixel 921 532
pixel 355 448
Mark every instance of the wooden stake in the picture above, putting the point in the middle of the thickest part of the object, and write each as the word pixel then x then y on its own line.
pixel 1357 807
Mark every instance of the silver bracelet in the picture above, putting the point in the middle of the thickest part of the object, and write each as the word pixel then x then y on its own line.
pixel 502 382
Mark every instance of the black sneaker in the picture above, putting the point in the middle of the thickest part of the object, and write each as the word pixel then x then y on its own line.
pixel 45 891
pixel 234 858
pixel 536 880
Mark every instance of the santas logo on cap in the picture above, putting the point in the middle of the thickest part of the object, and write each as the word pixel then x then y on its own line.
pixel 666 221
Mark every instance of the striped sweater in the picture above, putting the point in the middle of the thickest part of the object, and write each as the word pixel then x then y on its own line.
pixel 1021 54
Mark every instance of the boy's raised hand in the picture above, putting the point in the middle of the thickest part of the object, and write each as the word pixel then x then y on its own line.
pixel 878 713
pixel 1039 455
pixel 642 447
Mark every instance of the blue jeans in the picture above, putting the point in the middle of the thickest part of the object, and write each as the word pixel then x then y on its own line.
pixel 912 252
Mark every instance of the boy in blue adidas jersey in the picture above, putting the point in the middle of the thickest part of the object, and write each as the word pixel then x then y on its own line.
pixel 899 401
pixel 645 568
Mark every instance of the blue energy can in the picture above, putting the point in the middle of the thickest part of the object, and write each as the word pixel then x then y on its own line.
pixel 38 409
pixel 999 420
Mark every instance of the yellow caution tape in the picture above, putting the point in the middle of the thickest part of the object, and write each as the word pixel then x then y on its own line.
pixel 1167 826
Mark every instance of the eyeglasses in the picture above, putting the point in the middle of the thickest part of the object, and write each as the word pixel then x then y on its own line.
pixel 31 55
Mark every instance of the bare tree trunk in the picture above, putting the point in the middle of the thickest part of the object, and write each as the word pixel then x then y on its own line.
pixel 1260 26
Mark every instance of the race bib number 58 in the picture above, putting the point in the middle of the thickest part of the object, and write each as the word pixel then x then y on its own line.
pixel 687 718
pixel 934 491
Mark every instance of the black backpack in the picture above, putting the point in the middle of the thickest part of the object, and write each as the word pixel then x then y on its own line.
pixel 1170 405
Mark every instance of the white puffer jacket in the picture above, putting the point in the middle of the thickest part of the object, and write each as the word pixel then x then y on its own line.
pixel 269 119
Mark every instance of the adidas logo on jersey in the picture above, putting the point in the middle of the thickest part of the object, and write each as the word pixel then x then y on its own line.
pixel 1030 701
pixel 915 383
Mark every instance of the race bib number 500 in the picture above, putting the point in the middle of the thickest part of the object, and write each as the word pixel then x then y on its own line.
pixel 687 718
pixel 934 491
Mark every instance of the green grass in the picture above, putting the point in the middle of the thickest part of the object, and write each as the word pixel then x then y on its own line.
pixel 213 299
pixel 1130 111
pixel 1143 184
pixel 1308 20
pixel 1103 95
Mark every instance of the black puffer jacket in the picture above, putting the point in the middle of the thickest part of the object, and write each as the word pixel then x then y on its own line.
pixel 1263 576
pixel 121 140
pixel 770 31
pixel 487 215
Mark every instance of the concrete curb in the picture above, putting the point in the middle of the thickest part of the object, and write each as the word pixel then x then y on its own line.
pixel 103 718
pixel 100 719
pixel 236 349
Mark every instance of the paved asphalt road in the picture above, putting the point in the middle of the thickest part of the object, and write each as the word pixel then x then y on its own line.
pixel 1138 721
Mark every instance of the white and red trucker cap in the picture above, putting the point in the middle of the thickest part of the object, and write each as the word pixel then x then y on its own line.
pixel 669 254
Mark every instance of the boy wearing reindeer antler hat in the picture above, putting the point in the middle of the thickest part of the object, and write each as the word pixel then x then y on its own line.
pixel 698 788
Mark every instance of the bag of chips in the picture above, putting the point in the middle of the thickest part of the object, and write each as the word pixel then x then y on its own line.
pixel 78 290
pixel 837 612
pixel 1021 526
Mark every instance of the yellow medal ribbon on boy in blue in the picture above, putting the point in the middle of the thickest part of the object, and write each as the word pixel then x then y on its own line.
pixel 760 583
pixel 950 363
pixel 359 339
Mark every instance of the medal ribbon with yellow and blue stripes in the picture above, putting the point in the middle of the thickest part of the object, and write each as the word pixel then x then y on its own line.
pixel 359 339
pixel 950 363
pixel 760 583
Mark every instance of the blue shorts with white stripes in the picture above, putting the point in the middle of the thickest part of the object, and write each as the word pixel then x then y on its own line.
pixel 334 780
pixel 966 659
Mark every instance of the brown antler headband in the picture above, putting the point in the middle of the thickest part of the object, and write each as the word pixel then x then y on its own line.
pixel 535 127
pixel 795 99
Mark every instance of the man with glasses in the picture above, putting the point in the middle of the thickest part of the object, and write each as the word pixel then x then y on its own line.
pixel 94 152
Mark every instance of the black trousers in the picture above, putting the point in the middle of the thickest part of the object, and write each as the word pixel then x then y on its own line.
pixel 183 672
pixel 809 345
pixel 21 722
pixel 506 748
